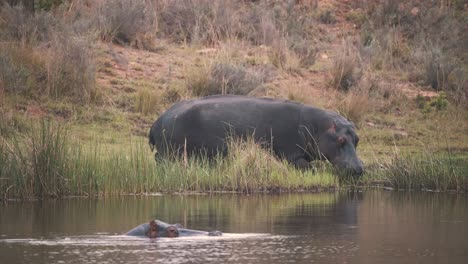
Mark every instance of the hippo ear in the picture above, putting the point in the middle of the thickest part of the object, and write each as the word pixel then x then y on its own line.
pixel 153 230
pixel 332 128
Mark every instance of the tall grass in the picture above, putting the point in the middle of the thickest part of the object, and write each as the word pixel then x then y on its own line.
pixel 41 54
pixel 422 38
pixel 226 78
pixel 344 70
pixel 47 163
pixel 426 171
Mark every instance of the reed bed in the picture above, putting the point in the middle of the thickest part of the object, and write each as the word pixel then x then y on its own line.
pixel 47 163
pixel 426 171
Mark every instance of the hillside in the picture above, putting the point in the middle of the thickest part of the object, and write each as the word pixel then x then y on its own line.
pixel 106 69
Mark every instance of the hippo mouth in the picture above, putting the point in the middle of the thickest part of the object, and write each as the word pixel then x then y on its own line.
pixel 354 169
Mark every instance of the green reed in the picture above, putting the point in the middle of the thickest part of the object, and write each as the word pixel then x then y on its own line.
pixel 424 171
pixel 48 163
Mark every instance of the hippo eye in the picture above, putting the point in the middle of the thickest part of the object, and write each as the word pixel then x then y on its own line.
pixel 341 140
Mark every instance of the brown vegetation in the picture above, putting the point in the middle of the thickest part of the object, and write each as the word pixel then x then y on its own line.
pixel 113 65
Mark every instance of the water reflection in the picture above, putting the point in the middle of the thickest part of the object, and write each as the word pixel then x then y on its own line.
pixel 371 227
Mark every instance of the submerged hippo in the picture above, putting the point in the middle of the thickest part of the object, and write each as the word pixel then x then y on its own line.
pixel 156 228
pixel 295 132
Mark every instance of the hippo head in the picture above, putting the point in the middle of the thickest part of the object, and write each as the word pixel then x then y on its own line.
pixel 158 230
pixel 172 231
pixel 338 145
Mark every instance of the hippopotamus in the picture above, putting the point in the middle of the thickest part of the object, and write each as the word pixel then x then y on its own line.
pixel 296 132
pixel 156 228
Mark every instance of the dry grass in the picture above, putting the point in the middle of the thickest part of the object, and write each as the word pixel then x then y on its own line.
pixel 344 70
pixel 147 102
pixel 43 56
pixel 71 69
pixel 355 105
pixel 424 38
pixel 225 78
pixel 21 69
pixel 132 22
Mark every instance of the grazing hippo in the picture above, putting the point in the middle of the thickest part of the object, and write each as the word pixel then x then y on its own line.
pixel 156 228
pixel 296 132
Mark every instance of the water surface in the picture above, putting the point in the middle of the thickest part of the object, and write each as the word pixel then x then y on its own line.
pixel 368 227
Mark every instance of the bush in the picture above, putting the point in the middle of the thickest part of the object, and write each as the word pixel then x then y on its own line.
pixel 44 56
pixel 412 35
pixel 224 78
pixel 17 24
pixel 438 103
pixel 21 69
pixel 71 69
pixel 200 21
pixel 147 102
pixel 343 72
pixel 355 106
pixel 438 69
pixel 132 22
pixel 326 16
pixel 277 25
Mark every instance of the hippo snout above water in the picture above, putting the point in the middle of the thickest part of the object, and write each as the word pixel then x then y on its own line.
pixel 156 228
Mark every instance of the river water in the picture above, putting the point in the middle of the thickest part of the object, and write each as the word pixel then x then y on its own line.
pixel 367 227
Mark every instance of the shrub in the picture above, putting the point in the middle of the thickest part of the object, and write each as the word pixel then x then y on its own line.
pixel 17 24
pixel 278 25
pixel 200 21
pixel 71 69
pixel 44 56
pixel 146 102
pixel 224 78
pixel 358 17
pixel 438 103
pixel 171 95
pixel 343 71
pixel 355 106
pixel 424 38
pixel 132 22
pixel 326 16
pixel 21 69
pixel 438 69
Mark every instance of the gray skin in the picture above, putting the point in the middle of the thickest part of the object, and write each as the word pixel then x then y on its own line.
pixel 156 228
pixel 296 132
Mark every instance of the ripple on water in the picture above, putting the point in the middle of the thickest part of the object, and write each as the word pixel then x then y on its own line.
pixel 233 248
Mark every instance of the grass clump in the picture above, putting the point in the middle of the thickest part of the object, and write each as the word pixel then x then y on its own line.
pixel 438 103
pixel 428 171
pixel 131 22
pixel 147 102
pixel 21 69
pixel 355 105
pixel 36 165
pixel 344 71
pixel 226 78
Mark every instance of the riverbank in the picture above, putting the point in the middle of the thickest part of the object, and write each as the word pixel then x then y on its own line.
pixel 383 65
pixel 50 164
